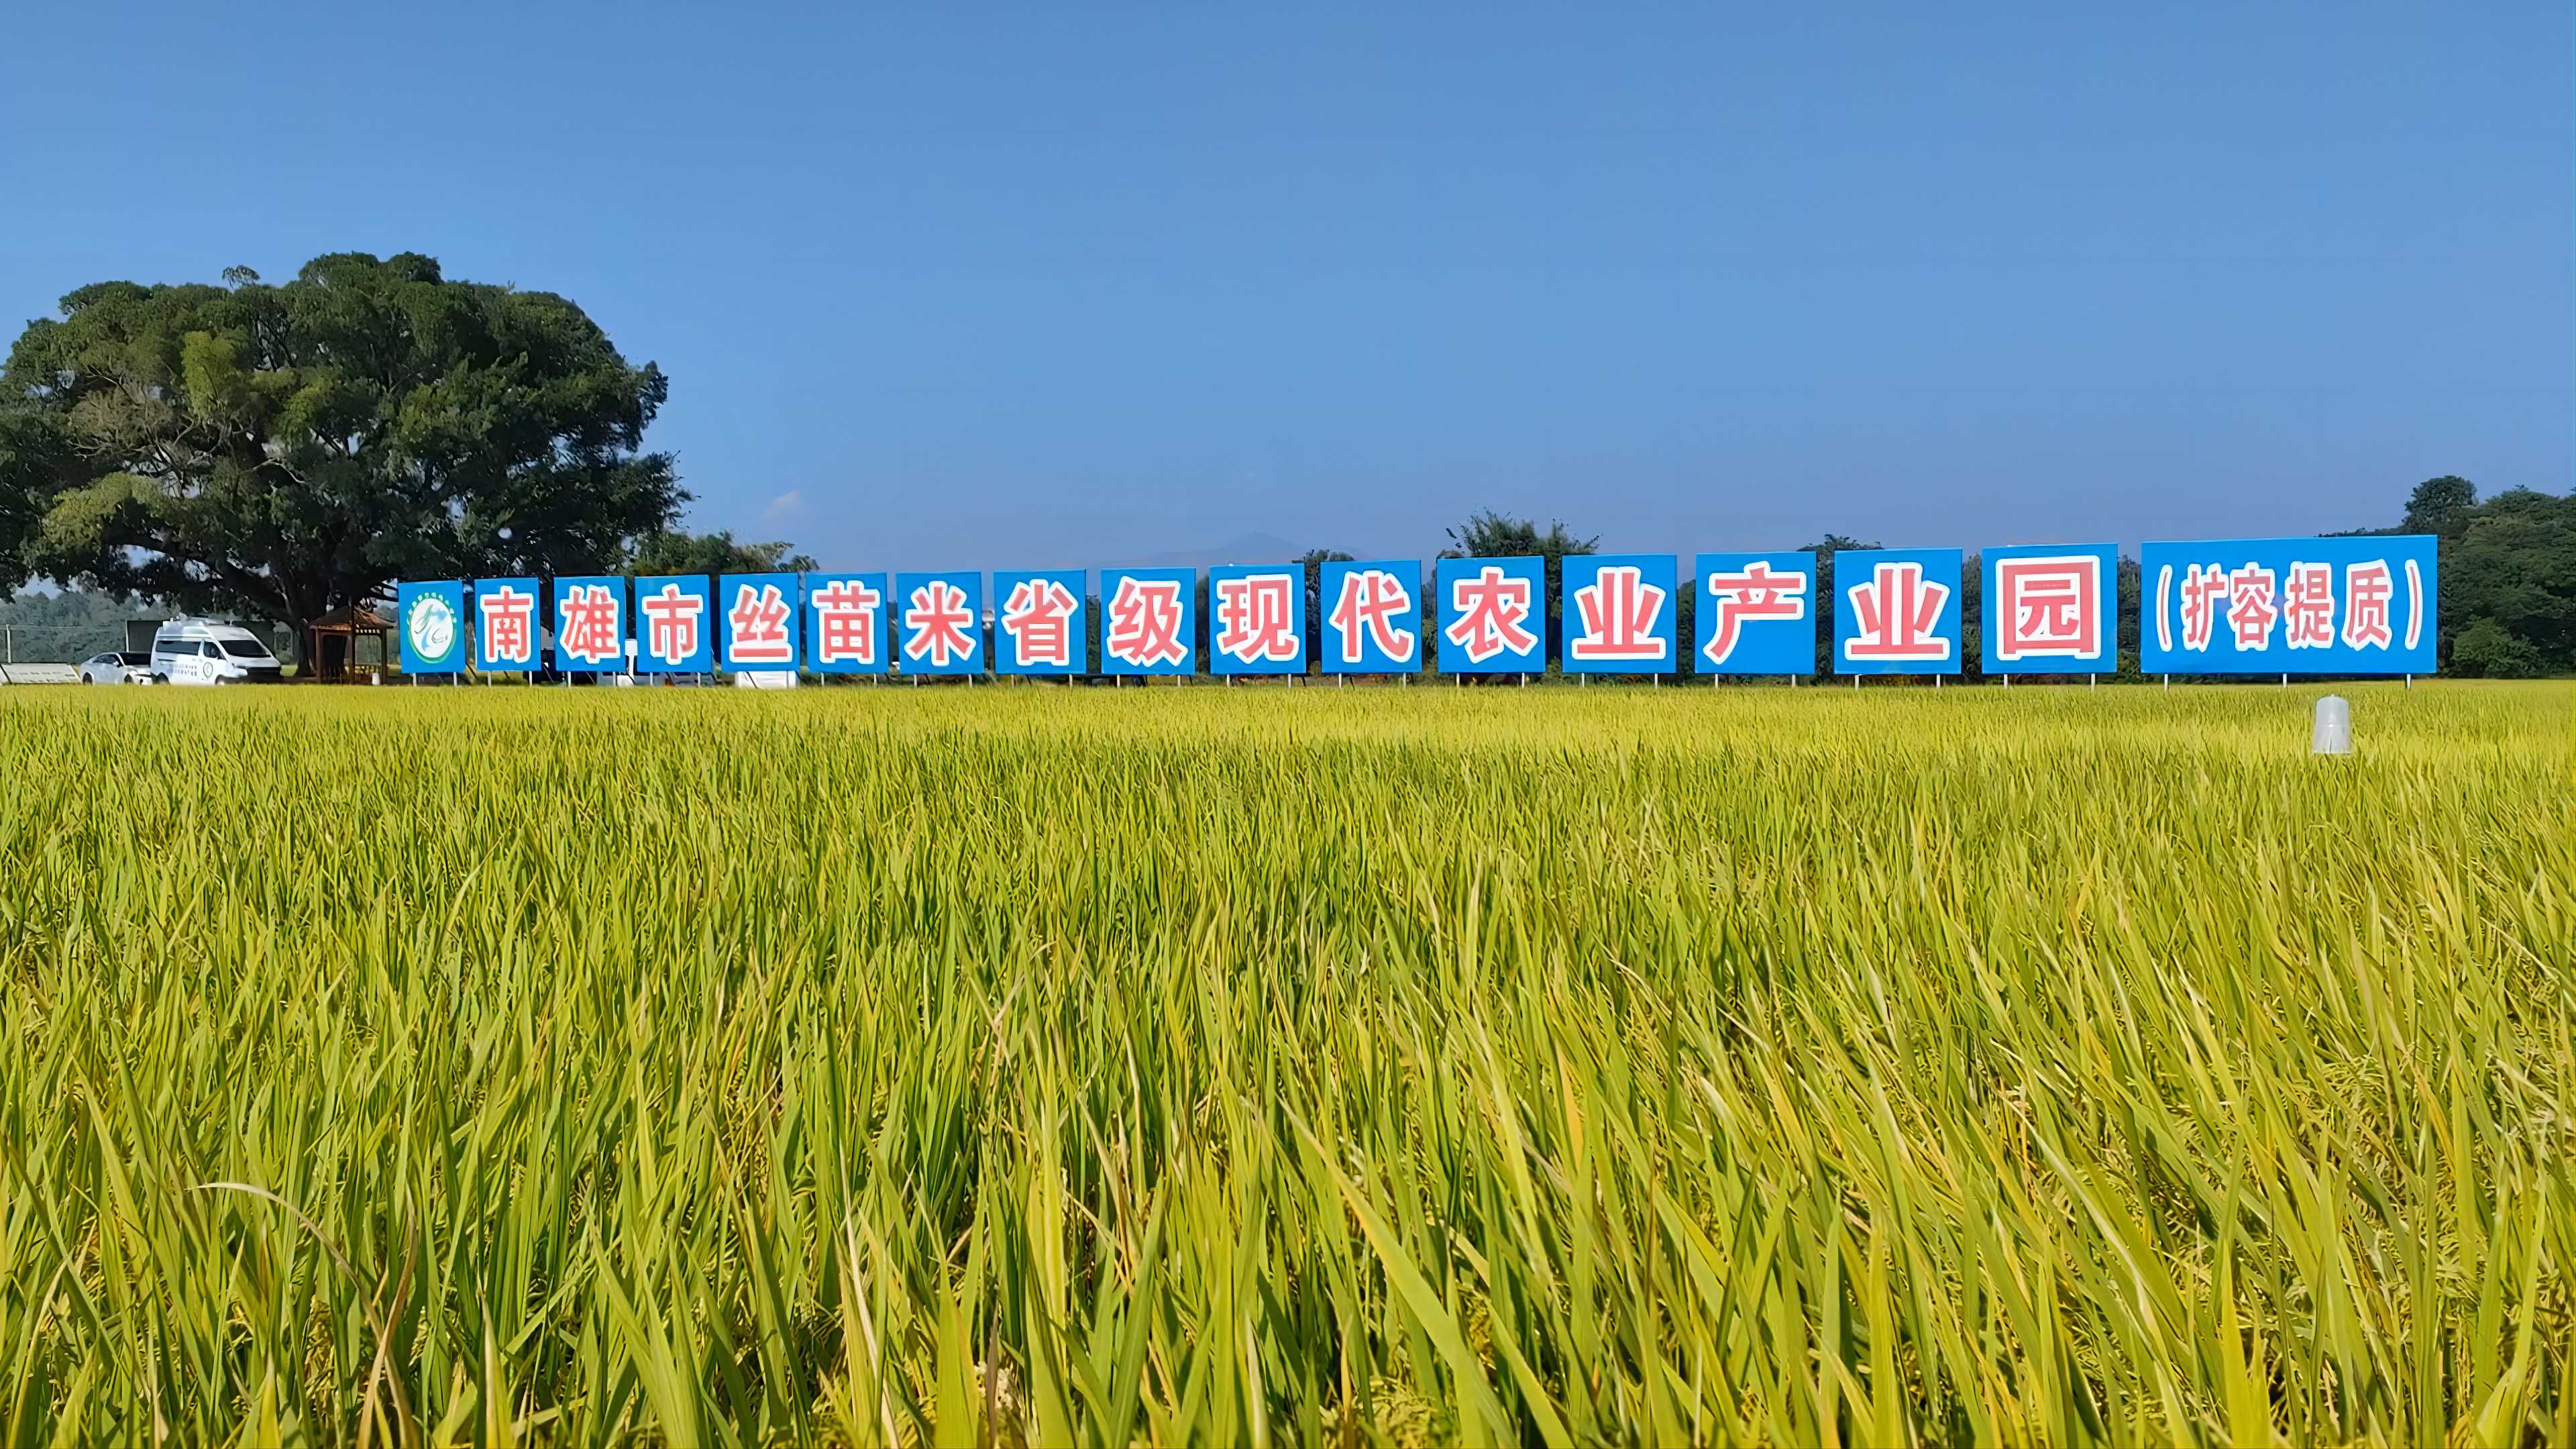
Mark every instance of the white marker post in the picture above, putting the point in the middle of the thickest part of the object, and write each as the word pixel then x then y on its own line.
pixel 2332 734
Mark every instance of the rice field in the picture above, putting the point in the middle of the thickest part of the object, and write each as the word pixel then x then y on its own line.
pixel 1031 1065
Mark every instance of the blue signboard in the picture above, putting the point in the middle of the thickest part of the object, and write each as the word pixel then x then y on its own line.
pixel 674 625
pixel 1755 614
pixel 1042 626
pixel 590 624
pixel 2288 606
pixel 939 622
pixel 1148 623
pixel 431 617
pixel 1898 611
pixel 845 623
pixel 507 626
pixel 758 622
pixel 1257 619
pixel 2052 609
pixel 1493 615
pixel 1620 614
pixel 1373 617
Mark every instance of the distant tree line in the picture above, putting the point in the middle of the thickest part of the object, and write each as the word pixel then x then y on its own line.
pixel 277 452
pixel 2507 601
pixel 2508 576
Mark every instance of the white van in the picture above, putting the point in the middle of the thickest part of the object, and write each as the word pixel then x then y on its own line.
pixel 208 651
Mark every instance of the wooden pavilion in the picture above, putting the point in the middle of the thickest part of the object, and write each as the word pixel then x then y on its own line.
pixel 349 644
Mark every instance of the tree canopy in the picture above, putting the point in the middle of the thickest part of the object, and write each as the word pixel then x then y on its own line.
pixel 284 450
pixel 2508 578
pixel 1491 534
pixel 1488 534
pixel 714 553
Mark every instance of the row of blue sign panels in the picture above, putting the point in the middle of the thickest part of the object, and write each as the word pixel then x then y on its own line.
pixel 2351 605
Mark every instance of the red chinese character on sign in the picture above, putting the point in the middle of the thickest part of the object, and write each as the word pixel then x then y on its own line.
pixel 671 623
pixel 2049 607
pixel 2366 590
pixel 1145 623
pixel 1492 608
pixel 507 615
pixel 2250 608
pixel 845 623
pixel 1039 618
pixel 1256 618
pixel 759 623
pixel 1736 599
pixel 940 624
pixel 1617 611
pixel 1372 600
pixel 2203 589
pixel 1897 613
pixel 589 631
pixel 2307 607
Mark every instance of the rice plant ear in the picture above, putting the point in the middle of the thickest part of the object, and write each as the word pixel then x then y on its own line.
pixel 1558 1066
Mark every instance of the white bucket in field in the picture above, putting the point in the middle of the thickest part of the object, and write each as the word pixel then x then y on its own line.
pixel 2333 732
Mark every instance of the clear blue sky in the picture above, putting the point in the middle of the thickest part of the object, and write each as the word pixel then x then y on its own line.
pixel 961 285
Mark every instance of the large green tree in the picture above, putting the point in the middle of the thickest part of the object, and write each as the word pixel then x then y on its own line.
pixel 2508 575
pixel 1488 533
pixel 38 461
pixel 2509 571
pixel 279 451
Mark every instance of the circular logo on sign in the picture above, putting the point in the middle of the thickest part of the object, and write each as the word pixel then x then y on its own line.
pixel 431 624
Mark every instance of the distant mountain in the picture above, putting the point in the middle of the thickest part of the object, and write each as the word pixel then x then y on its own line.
pixel 44 623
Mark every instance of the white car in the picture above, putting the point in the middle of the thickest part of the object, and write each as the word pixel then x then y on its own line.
pixel 116 667
pixel 205 651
